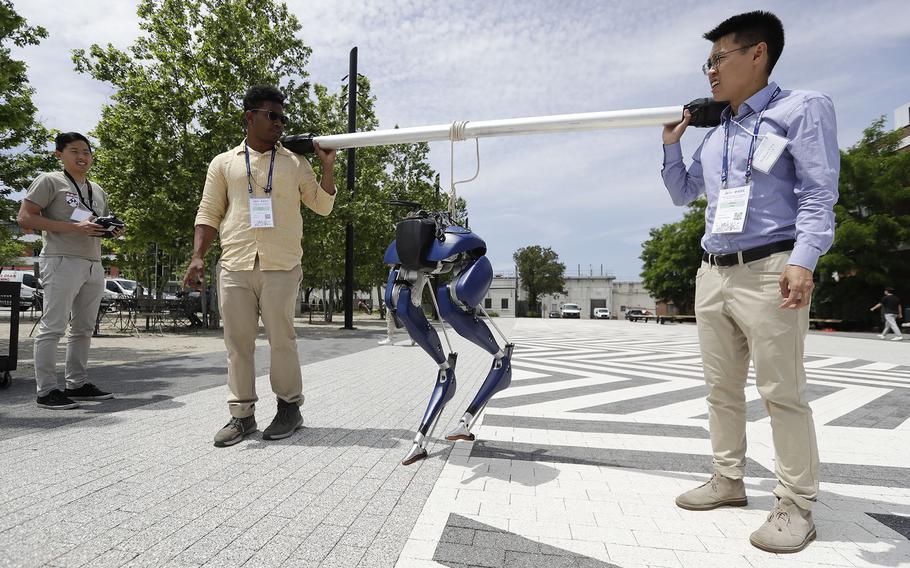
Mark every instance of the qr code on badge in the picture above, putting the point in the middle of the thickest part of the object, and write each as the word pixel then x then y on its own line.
pixel 738 215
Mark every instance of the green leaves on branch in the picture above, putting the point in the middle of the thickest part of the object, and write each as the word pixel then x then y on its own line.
pixel 671 257
pixel 872 241
pixel 540 272
pixel 178 103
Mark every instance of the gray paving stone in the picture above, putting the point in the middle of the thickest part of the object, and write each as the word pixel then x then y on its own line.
pixel 343 556
pixel 274 552
pixel 662 461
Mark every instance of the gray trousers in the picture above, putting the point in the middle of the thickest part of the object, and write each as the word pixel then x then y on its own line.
pixel 891 324
pixel 72 292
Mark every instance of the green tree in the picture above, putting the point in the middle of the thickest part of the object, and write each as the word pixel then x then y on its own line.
pixel 178 103
pixel 540 272
pixel 872 229
pixel 671 257
pixel 23 140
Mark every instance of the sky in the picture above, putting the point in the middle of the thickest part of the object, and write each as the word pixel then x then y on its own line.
pixel 590 196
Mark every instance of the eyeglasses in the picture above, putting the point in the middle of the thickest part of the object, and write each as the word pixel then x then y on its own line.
pixel 713 62
pixel 273 116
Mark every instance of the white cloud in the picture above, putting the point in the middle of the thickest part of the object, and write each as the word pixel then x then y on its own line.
pixel 592 196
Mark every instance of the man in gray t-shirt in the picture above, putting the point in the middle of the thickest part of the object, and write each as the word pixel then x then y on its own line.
pixel 63 205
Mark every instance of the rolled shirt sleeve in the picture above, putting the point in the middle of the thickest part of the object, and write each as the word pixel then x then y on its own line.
pixel 816 159
pixel 213 204
pixel 311 193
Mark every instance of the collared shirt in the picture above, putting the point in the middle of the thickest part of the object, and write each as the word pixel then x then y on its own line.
pixel 225 205
pixel 794 201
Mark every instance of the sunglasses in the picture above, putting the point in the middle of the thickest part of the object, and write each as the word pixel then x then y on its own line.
pixel 273 116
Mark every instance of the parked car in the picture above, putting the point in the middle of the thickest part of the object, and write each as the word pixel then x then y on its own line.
pixel 570 311
pixel 26 292
pixel 637 314
pixel 118 287
pixel 602 313
pixel 555 314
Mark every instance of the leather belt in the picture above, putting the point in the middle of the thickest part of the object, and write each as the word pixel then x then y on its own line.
pixel 748 255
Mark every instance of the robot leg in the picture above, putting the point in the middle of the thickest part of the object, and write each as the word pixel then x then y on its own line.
pixel 468 288
pixel 423 333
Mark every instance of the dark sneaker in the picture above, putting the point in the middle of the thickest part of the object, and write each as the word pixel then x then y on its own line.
pixel 55 400
pixel 88 391
pixel 234 431
pixel 286 422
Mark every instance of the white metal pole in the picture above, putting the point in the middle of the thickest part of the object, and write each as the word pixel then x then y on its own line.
pixel 507 127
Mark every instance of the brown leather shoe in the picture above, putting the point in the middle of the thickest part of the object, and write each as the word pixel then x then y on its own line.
pixel 787 529
pixel 717 492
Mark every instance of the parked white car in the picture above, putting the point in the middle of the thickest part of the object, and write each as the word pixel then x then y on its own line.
pixel 570 311
pixel 27 291
pixel 602 313
pixel 118 287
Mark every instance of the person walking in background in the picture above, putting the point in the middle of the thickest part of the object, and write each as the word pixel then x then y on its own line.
pixel 891 310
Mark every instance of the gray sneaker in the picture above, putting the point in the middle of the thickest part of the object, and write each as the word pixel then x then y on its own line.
pixel 716 492
pixel 234 431
pixel 286 422
pixel 787 529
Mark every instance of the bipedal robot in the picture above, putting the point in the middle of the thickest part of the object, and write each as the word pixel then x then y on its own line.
pixel 431 244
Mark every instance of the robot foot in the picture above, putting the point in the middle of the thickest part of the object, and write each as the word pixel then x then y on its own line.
pixel 416 454
pixel 462 431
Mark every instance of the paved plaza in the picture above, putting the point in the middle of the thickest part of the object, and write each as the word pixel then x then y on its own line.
pixel 576 464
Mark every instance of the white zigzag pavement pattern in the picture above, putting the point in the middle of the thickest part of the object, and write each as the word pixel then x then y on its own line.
pixel 625 515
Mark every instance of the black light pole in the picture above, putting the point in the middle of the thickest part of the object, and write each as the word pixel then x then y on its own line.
pixel 349 230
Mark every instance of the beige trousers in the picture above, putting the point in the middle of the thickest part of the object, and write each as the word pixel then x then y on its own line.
pixel 244 296
pixel 739 319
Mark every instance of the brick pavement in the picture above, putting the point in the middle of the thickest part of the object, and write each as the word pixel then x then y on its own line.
pixel 579 473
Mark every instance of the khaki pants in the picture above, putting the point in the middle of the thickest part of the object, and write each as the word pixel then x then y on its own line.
pixel 739 318
pixel 243 296
pixel 72 293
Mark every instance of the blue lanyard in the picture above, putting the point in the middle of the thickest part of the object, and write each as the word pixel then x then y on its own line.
pixel 725 171
pixel 249 173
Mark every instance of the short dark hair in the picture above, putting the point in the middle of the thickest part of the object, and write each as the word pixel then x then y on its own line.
pixel 889 289
pixel 753 27
pixel 257 94
pixel 65 138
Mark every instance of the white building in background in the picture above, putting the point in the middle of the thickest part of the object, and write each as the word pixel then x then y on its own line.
pixel 502 295
pixel 589 292
pixel 628 294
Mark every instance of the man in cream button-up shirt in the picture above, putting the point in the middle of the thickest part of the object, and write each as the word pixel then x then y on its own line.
pixel 252 200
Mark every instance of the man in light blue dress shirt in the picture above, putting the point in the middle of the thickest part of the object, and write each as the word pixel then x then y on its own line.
pixel 769 172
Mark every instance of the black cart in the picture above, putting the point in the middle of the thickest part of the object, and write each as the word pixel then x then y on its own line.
pixel 9 296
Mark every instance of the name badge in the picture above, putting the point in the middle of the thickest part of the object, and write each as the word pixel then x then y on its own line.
pixel 732 204
pixel 261 213
pixel 769 150
pixel 79 214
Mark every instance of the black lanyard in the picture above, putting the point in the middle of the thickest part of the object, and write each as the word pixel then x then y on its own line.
pixel 249 173
pixel 79 191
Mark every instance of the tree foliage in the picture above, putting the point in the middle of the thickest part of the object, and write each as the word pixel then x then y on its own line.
pixel 23 139
pixel 671 257
pixel 178 103
pixel 540 272
pixel 871 247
